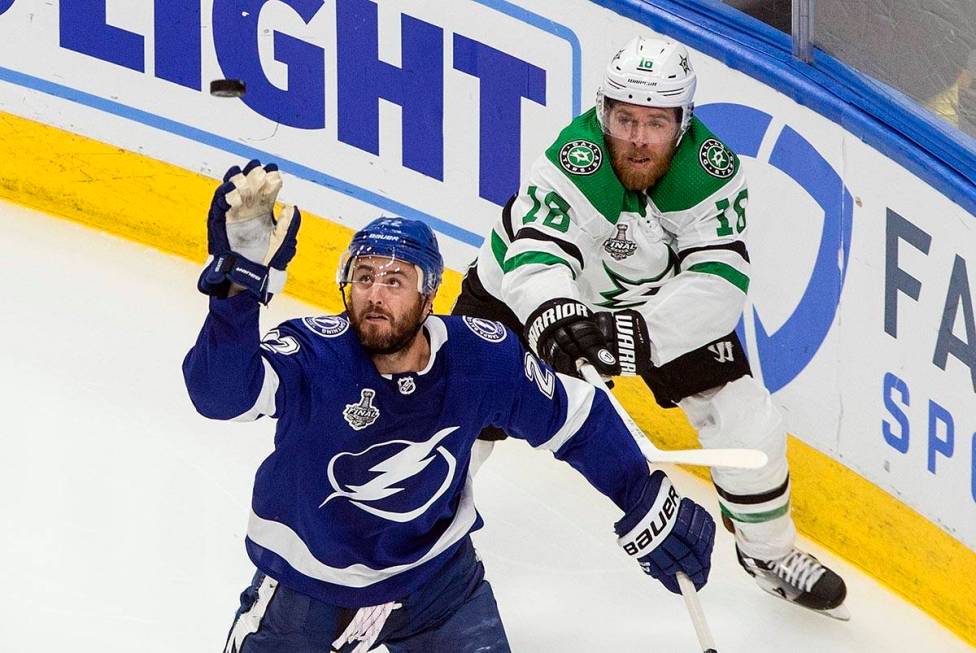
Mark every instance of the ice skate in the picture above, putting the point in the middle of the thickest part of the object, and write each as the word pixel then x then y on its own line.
pixel 800 578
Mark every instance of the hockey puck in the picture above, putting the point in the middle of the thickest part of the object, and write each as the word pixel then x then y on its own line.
pixel 227 88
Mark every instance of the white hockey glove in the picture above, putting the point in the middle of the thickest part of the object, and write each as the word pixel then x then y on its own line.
pixel 247 245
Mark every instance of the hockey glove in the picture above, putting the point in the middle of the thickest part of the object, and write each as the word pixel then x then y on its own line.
pixel 247 245
pixel 626 336
pixel 561 331
pixel 668 534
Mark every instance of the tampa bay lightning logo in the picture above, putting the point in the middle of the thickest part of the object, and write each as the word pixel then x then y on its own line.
pixel 486 329
pixel 782 355
pixel 327 326
pixel 396 480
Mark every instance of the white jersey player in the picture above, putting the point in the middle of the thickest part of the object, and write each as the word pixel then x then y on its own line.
pixel 625 246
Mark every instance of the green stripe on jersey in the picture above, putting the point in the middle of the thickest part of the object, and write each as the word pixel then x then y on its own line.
pixel 498 248
pixel 723 270
pixel 541 258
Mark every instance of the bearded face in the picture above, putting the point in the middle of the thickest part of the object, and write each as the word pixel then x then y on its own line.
pixel 385 309
pixel 642 141
pixel 381 331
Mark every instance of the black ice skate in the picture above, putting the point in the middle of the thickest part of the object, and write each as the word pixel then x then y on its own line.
pixel 800 578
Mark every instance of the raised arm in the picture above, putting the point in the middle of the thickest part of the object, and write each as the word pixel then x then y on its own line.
pixel 226 375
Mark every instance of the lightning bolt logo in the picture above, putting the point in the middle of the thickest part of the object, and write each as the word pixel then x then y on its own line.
pixel 627 293
pixel 391 473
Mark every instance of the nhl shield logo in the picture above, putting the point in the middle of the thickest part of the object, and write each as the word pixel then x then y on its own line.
pixel 618 246
pixel 364 413
pixel 406 385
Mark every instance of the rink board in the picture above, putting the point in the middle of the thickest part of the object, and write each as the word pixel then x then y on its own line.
pixel 901 500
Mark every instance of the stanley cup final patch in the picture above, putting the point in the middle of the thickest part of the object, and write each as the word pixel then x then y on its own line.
pixel 581 157
pixel 618 246
pixel 717 159
pixel 364 413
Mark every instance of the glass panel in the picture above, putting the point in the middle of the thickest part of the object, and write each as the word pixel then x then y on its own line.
pixel 924 48
pixel 772 12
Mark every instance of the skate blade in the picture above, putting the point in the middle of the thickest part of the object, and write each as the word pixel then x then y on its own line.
pixel 840 613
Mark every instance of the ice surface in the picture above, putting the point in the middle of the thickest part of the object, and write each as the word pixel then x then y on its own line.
pixel 122 512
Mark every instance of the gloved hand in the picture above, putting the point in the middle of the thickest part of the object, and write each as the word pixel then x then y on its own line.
pixel 561 331
pixel 247 245
pixel 668 534
pixel 627 339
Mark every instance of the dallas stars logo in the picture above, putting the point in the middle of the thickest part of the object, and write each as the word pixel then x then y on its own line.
pixel 684 65
pixel 628 293
pixel 581 157
pixel 717 159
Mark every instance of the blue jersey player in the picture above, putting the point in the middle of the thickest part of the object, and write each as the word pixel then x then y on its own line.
pixel 361 517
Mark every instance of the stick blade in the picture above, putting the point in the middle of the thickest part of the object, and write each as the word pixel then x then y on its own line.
pixel 737 458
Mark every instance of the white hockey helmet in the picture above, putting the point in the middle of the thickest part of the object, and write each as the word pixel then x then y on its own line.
pixel 650 72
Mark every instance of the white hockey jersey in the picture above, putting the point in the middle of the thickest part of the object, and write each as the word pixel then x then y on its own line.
pixel 675 253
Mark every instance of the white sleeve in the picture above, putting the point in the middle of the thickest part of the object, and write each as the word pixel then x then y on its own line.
pixel 704 301
pixel 542 255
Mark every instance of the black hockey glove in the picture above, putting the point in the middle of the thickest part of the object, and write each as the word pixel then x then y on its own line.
pixel 626 336
pixel 561 331
pixel 668 534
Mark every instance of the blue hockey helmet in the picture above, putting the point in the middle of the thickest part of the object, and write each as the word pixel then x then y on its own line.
pixel 401 239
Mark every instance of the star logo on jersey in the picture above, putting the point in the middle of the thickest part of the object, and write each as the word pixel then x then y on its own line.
pixel 406 385
pixel 581 157
pixel 363 414
pixel 717 159
pixel 628 293
pixel 397 480
pixel 618 246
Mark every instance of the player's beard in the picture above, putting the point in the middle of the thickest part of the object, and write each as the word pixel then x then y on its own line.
pixel 632 176
pixel 390 336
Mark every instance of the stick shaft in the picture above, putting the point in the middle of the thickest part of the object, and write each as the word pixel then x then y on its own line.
pixel 696 613
pixel 653 454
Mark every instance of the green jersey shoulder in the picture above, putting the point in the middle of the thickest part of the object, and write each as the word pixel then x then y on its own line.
pixel 580 153
pixel 702 166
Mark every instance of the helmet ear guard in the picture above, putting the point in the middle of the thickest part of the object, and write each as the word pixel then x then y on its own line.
pixel 650 72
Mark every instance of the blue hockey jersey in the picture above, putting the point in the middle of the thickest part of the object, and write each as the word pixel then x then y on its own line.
pixel 367 491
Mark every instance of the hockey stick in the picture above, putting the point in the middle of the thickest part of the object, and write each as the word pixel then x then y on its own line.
pixel 746 458
pixel 702 630
pixel 741 458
